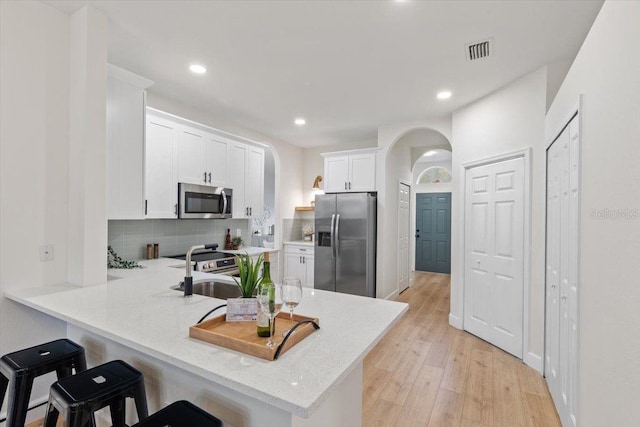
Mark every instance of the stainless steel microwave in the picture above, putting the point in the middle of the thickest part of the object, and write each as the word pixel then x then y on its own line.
pixel 204 202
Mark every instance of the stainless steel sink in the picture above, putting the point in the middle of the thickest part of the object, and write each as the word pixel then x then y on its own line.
pixel 218 290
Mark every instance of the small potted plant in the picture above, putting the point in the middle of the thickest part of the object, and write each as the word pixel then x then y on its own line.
pixel 249 272
pixel 236 242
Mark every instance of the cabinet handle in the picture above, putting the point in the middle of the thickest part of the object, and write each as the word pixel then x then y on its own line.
pixel 299 260
pixel 250 211
pixel 304 260
pixel 205 177
pixel 145 206
pixel 209 177
pixel 345 185
pixel 246 211
pixel 349 185
pixel 175 208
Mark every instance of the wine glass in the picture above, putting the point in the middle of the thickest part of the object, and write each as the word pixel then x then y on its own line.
pixel 270 302
pixel 291 294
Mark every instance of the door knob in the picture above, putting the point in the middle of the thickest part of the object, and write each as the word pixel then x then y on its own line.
pixel 417 236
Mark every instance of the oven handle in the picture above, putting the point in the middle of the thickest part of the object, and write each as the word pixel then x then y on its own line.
pixel 224 202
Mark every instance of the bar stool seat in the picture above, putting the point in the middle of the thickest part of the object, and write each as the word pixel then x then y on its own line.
pixel 21 367
pixel 181 414
pixel 79 396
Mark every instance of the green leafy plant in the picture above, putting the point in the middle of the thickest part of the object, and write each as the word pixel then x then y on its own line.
pixel 114 261
pixel 249 271
pixel 237 241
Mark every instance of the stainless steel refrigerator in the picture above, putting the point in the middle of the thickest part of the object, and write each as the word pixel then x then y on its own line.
pixel 345 243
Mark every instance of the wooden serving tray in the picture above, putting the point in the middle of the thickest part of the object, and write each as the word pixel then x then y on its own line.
pixel 242 336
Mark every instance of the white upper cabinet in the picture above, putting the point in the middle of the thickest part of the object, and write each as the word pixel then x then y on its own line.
pixel 254 190
pixel 125 144
pixel 246 179
pixel 215 158
pixel 190 146
pixel 161 171
pixel 179 150
pixel 350 171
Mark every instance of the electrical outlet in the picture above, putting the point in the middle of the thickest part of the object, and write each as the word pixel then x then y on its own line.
pixel 238 232
pixel 46 253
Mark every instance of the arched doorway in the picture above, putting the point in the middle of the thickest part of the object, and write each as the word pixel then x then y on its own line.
pixel 398 165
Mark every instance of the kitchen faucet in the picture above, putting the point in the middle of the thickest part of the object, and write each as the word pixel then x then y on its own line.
pixel 188 280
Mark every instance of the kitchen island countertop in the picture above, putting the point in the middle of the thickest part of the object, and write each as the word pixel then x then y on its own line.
pixel 136 309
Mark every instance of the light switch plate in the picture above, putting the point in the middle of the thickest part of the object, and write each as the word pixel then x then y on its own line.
pixel 46 252
pixel 238 232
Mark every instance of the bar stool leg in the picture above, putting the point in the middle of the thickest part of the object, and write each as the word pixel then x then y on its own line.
pixel 19 400
pixel 4 383
pixel 117 412
pixel 51 416
pixel 76 419
pixel 140 398
pixel 80 363
pixel 64 372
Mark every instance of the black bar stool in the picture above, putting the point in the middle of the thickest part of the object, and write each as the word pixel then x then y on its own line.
pixel 20 368
pixel 79 396
pixel 181 414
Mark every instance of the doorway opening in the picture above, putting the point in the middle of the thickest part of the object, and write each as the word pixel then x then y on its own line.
pixel 432 178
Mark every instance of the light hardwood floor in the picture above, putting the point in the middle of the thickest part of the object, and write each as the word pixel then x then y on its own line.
pixel 427 373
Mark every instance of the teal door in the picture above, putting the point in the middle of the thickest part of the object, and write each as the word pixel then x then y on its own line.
pixel 433 232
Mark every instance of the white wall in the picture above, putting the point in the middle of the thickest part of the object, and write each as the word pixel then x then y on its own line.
pixel 606 72
pixel 34 165
pixel 509 119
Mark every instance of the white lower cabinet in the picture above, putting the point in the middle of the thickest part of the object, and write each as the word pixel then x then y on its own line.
pixel 298 262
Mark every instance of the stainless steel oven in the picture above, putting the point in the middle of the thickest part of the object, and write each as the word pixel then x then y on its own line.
pixel 202 202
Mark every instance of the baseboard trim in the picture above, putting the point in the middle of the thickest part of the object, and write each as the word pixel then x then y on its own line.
pixel 535 361
pixel 455 321
pixel 393 295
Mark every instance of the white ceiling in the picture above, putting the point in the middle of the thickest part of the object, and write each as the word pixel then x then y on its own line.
pixel 348 67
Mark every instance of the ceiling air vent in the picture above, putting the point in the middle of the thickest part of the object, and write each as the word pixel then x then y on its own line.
pixel 479 50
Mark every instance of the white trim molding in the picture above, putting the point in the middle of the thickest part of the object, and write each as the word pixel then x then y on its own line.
pixel 455 321
pixel 534 361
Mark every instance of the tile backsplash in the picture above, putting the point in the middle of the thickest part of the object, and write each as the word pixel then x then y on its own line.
pixel 130 238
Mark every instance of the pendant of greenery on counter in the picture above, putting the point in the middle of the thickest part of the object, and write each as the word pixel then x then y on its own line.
pixel 114 261
pixel 249 271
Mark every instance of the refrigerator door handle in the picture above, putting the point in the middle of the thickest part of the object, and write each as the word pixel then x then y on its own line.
pixel 333 247
pixel 337 238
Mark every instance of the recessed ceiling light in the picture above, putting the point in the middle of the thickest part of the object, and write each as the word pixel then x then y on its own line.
pixel 198 69
pixel 300 121
pixel 445 94
pixel 429 153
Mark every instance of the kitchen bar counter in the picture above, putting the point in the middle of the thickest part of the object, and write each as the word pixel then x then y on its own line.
pixel 137 317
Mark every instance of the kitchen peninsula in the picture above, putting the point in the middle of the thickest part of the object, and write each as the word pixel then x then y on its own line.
pixel 138 318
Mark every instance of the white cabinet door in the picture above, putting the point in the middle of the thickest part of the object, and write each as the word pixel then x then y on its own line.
pixel 254 190
pixel 237 179
pixel 362 172
pixel 293 266
pixel 336 174
pixel 494 255
pixel 161 189
pixel 308 272
pixel 189 148
pixel 125 150
pixel 215 160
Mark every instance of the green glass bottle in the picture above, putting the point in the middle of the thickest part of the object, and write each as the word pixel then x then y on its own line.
pixel 262 321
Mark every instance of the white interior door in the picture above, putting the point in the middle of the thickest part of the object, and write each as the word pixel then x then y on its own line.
pixel 562 272
pixel 494 253
pixel 404 192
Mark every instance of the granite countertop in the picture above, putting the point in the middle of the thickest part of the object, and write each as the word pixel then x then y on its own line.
pixel 138 310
